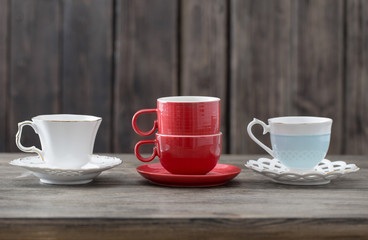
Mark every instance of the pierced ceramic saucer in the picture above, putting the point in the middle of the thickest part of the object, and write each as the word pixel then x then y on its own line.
pixel 51 175
pixel 322 174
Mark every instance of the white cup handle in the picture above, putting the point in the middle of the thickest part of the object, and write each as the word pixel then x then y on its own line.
pixel 266 129
pixel 19 134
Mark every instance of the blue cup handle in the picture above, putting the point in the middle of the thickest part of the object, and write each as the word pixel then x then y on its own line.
pixel 266 129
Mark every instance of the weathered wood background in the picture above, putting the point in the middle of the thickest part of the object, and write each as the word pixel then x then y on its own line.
pixel 113 57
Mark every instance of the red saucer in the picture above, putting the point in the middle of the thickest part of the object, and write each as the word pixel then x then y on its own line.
pixel 221 174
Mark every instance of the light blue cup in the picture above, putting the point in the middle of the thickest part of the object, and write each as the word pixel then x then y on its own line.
pixel 299 143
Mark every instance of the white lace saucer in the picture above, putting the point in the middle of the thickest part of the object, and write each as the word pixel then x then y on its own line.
pixel 322 174
pixel 51 175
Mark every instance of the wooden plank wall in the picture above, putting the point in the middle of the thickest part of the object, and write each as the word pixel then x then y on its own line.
pixel 111 58
pixel 86 70
pixel 4 35
pixel 356 84
pixel 145 64
pixel 34 64
pixel 319 62
pixel 261 84
pixel 203 52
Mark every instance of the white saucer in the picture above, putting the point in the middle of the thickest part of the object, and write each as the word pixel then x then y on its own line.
pixel 52 175
pixel 322 174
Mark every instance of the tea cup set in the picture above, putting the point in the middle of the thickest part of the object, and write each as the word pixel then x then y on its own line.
pixel 67 143
pixel 188 144
pixel 299 146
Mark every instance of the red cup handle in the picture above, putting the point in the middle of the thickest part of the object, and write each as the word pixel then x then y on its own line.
pixel 135 126
pixel 139 156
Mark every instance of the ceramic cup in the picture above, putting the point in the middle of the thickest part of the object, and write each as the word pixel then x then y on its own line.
pixel 183 115
pixel 184 154
pixel 299 143
pixel 67 140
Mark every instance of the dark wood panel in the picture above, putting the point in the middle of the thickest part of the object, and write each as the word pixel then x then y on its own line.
pixel 146 63
pixel 34 64
pixel 286 58
pixel 319 65
pixel 87 63
pixel 204 52
pixel 253 229
pixel 261 85
pixel 4 36
pixel 356 108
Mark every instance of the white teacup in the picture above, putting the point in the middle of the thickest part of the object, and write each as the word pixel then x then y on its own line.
pixel 299 143
pixel 67 140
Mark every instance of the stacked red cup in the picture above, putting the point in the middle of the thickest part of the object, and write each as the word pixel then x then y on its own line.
pixel 188 140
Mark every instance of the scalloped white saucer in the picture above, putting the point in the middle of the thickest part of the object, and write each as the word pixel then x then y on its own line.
pixel 323 173
pixel 52 175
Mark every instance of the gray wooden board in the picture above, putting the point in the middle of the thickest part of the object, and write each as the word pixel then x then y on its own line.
pixel 146 64
pixel 87 63
pixel 286 57
pixel 4 37
pixel 204 53
pixel 34 65
pixel 261 85
pixel 319 26
pixel 356 114
pixel 285 229
pixel 123 202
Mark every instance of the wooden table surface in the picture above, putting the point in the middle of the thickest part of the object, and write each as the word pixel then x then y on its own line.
pixel 120 203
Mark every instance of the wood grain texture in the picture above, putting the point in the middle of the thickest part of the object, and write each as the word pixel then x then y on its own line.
pixel 204 52
pixel 121 203
pixel 356 114
pixel 146 63
pixel 159 229
pixel 34 64
pixel 112 58
pixel 87 63
pixel 261 84
pixel 4 37
pixel 319 65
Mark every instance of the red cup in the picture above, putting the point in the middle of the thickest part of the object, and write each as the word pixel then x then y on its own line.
pixel 184 115
pixel 184 154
